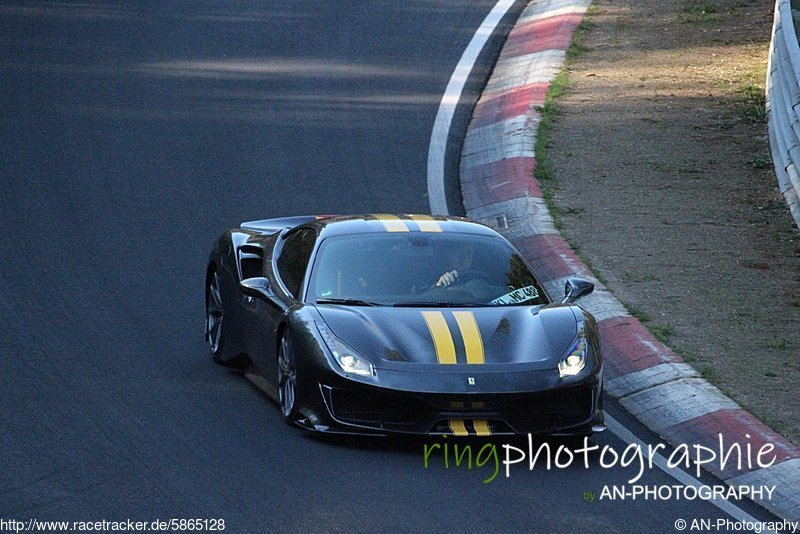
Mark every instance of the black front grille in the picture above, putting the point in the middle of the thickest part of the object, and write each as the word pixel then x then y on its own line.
pixel 539 412
pixel 527 412
pixel 375 409
pixel 552 409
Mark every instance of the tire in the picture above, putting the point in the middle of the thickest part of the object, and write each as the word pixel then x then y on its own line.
pixel 215 325
pixel 215 315
pixel 287 381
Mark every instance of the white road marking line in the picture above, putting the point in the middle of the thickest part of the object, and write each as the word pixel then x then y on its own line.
pixel 678 474
pixel 452 94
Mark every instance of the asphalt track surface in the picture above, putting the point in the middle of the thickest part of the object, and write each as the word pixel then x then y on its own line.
pixel 130 137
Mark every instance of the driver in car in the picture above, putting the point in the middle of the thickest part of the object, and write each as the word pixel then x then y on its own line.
pixel 459 260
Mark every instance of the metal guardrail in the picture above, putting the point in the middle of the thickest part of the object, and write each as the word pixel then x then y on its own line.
pixel 783 100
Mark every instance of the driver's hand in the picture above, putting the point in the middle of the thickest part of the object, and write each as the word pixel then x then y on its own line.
pixel 447 278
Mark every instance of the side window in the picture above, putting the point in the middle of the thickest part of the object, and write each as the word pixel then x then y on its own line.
pixel 293 261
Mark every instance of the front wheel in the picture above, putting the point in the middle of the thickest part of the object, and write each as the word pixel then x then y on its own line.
pixel 214 315
pixel 287 380
pixel 216 326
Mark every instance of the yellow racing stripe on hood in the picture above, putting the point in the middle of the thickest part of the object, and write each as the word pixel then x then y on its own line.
pixel 392 223
pixel 458 427
pixel 471 335
pixel 442 339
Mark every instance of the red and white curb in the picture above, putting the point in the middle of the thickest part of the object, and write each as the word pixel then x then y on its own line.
pixel 498 188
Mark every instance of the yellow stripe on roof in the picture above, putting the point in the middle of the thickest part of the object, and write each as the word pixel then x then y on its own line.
pixel 458 427
pixel 482 427
pixel 471 336
pixel 426 223
pixel 442 338
pixel 392 223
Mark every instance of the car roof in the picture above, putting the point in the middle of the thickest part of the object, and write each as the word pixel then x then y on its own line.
pixel 333 225
pixel 400 223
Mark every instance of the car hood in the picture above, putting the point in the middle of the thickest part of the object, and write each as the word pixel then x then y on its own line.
pixel 397 338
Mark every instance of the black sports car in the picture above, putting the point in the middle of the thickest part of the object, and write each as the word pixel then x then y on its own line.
pixel 402 324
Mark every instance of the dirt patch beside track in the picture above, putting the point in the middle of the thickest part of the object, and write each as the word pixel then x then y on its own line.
pixel 663 182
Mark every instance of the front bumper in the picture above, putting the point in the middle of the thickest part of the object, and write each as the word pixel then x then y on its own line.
pixel 358 408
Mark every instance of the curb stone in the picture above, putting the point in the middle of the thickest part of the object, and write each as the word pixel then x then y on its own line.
pixel 498 189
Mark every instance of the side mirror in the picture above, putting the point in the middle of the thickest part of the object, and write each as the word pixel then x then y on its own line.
pixel 257 287
pixel 576 288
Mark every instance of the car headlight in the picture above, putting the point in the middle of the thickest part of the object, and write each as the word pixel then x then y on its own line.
pixel 574 360
pixel 347 358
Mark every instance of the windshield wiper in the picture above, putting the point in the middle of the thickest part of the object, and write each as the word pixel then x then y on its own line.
pixel 443 304
pixel 348 302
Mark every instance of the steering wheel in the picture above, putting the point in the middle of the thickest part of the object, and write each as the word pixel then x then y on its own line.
pixel 463 278
pixel 471 274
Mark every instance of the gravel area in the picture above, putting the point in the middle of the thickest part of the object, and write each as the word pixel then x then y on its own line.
pixel 664 183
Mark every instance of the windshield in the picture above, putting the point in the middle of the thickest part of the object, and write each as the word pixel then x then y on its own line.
pixel 412 269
